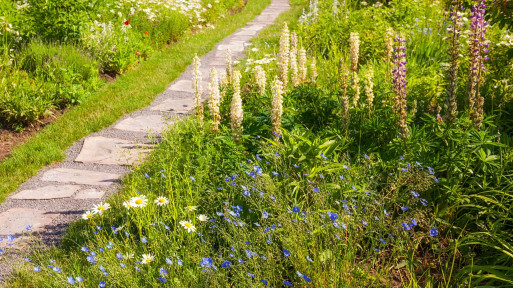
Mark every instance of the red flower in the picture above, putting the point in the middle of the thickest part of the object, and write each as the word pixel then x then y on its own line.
pixel 146 32
pixel 137 53
pixel 127 22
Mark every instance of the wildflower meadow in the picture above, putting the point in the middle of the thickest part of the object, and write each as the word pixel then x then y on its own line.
pixel 359 144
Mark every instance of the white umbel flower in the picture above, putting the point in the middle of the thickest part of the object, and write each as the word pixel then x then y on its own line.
pixel 215 99
pixel 284 55
pixel 260 79
pixel 236 113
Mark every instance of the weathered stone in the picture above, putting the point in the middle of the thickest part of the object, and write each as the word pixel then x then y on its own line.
pixel 254 28
pixel 245 32
pixel 179 106
pixel 235 46
pixel 111 151
pixel 90 194
pixel 15 220
pixel 186 85
pixel 47 192
pixel 85 177
pixel 145 123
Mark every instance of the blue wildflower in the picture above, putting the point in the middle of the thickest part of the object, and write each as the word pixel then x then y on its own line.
pixel 404 208
pixel 406 226
pixel 295 209
pixel 37 269
pixel 433 232
pixel 316 190
pixel 382 240
pixel 101 284
pixel 206 262
pixel 286 253
pixel 264 281
pixel 287 283
pixel 265 215
pixel 79 279
pixel 415 194
pixel 226 264
pixel 162 280
pixel 333 216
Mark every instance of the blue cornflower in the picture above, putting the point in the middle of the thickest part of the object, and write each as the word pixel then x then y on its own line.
pixel 79 279
pixel 295 165
pixel 169 262
pixel 424 202
pixel 122 265
pixel 146 175
pixel 162 280
pixel 163 271
pixel 414 222
pixel 433 232
pixel 436 179
pixel 406 226
pixel 323 156
pixel 287 283
pixel 226 264
pixel 258 157
pixel 415 194
pixel 366 156
pixel 405 208
pixel 144 240
pixel 242 261
pixel 37 269
pixel 404 169
pixel 192 178
pixel 206 262
pixel 275 173
pixel 315 189
pixel 10 237
pixel 265 215
pixel 401 157
pixel 276 153
pixel 286 253
pixel 70 280
pixel 85 249
pixel 56 269
pixel 101 284
pixel 376 250
pixel 258 170
pixel 382 240
pixel 251 275
pixel 264 281
pixel 385 211
pixel 179 262
pixel 333 216
pixel 295 209
pixel 91 260
pixel 269 239
pixel 309 259
pixel 364 222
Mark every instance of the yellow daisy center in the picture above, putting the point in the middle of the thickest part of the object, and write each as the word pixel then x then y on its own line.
pixel 188 225
pixel 89 215
pixel 138 201
pixel 162 200
pixel 189 207
pixel 101 208
pixel 148 260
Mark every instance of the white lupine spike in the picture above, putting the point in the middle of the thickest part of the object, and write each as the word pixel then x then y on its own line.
pixel 313 71
pixel 236 113
pixel 277 106
pixel 260 79
pixel 293 59
pixel 284 55
pixel 215 99
pixel 369 86
pixel 302 65
pixel 229 63
pixel 196 86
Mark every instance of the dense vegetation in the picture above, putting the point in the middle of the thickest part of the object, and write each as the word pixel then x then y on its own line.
pixel 52 53
pixel 408 184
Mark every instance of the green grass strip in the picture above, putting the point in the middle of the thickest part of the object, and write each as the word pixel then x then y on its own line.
pixel 132 91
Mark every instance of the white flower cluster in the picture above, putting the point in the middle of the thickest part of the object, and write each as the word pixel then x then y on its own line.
pixel 506 40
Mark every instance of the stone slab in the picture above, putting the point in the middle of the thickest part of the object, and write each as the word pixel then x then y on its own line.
pixel 186 85
pixel 15 220
pixel 90 194
pixel 246 33
pixel 253 28
pixel 47 192
pixel 180 106
pixel 235 46
pixel 144 123
pixel 111 151
pixel 85 177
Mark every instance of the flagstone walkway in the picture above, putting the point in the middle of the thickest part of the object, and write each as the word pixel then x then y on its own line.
pixel 59 194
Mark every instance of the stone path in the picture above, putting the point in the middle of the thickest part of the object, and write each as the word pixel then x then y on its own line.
pixel 59 194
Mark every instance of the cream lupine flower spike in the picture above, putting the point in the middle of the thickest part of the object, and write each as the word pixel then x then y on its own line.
pixel 369 86
pixel 354 50
pixel 236 113
pixel 313 71
pixel 293 59
pixel 196 86
pixel 215 99
pixel 302 65
pixel 284 56
pixel 229 68
pixel 260 79
pixel 277 106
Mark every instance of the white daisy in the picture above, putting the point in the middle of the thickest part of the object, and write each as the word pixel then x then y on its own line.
pixel 161 201
pixel 139 201
pixel 128 204
pixel 203 218
pixel 88 214
pixel 147 258
pixel 188 226
pixel 100 208
pixel 190 208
